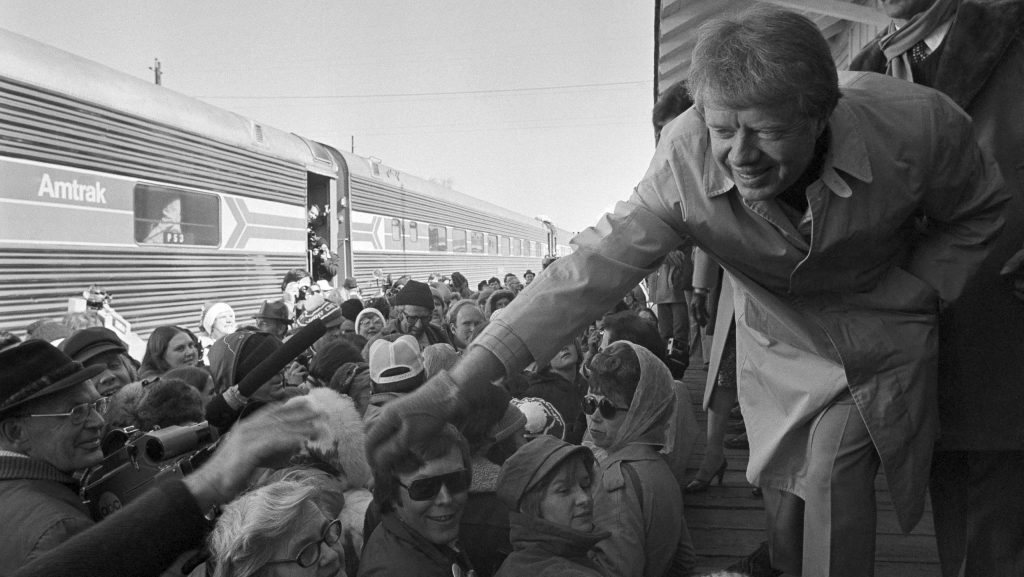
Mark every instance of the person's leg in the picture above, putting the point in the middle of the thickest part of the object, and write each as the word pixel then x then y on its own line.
pixel 948 488
pixel 722 400
pixel 995 514
pixel 665 320
pixel 839 505
pixel 784 513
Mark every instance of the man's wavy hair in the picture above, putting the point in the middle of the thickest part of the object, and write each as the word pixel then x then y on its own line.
pixel 764 56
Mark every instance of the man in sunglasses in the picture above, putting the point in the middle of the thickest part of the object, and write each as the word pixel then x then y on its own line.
pixel 50 427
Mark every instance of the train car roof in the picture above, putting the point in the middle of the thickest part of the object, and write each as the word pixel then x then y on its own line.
pixel 34 63
pixel 364 168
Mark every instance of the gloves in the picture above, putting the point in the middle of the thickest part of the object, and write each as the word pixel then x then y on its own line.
pixel 699 307
pixel 416 415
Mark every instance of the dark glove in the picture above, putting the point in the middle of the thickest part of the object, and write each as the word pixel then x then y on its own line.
pixel 416 415
pixel 699 308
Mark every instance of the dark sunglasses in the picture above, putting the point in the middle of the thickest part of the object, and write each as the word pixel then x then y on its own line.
pixel 309 555
pixel 607 409
pixel 428 488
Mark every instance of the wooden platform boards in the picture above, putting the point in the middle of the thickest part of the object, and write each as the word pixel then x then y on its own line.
pixel 727 522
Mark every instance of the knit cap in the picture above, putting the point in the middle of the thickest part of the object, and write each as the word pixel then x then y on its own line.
pixel 510 422
pixel 542 418
pixel 417 294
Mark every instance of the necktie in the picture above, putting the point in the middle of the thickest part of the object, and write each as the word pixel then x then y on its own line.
pixel 918 52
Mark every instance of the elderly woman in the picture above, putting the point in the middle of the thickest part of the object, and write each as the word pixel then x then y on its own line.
pixel 629 409
pixel 421 490
pixel 370 322
pixel 546 486
pixel 169 347
pixel 217 320
pixel 281 529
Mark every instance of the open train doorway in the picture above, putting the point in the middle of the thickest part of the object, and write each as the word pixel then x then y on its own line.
pixel 321 228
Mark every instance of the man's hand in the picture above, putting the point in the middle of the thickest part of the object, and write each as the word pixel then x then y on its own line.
pixel 295 374
pixel 699 308
pixel 415 415
pixel 270 435
pixel 1013 272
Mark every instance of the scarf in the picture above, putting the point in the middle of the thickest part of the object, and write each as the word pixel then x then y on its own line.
pixel 651 418
pixel 896 43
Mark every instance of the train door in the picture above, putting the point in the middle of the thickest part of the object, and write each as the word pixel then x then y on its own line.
pixel 321 228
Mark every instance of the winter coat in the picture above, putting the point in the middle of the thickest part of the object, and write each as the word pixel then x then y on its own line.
pixel 861 292
pixel 544 549
pixel 981 393
pixel 41 509
pixel 395 550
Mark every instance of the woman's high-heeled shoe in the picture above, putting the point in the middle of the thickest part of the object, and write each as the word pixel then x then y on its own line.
pixel 699 485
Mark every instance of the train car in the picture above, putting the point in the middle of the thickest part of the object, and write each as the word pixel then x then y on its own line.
pixel 168 202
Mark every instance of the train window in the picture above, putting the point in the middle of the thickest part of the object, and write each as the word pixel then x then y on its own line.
pixel 166 215
pixel 492 244
pixel 414 231
pixel 519 247
pixel 507 248
pixel 476 242
pixel 438 237
pixel 396 229
pixel 459 240
pixel 540 251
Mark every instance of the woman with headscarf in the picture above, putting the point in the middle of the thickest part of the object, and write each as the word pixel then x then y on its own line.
pixel 629 409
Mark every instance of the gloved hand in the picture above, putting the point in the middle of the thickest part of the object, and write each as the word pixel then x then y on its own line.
pixel 416 415
pixel 699 308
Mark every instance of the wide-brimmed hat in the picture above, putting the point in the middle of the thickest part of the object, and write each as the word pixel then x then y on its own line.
pixel 275 311
pixel 89 343
pixel 36 369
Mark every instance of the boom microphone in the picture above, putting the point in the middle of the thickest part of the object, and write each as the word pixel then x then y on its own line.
pixel 221 415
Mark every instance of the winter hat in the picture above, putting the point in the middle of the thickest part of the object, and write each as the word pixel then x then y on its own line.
pixel 438 357
pixel 210 313
pixel 35 369
pixel 351 308
pixel 511 421
pixel 417 294
pixel 395 367
pixel 531 463
pixel 369 312
pixel 274 310
pixel 350 283
pixel 86 344
pixel 542 418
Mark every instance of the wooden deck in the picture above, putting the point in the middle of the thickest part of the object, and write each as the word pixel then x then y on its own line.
pixel 727 522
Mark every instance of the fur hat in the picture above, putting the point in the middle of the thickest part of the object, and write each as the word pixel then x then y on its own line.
pixel 35 369
pixel 341 438
pixel 92 342
pixel 417 294
pixel 542 418
pixel 395 367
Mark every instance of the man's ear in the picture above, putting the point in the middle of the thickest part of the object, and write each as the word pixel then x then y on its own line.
pixel 13 434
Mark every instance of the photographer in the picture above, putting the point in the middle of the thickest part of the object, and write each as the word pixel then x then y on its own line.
pixel 145 537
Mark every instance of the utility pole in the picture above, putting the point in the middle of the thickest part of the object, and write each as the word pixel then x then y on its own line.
pixel 157 73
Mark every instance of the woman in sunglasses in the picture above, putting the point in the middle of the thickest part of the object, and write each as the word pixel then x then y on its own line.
pixel 421 490
pixel 629 409
pixel 283 529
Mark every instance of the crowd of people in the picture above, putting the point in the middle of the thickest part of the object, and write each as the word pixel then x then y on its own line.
pixel 838 249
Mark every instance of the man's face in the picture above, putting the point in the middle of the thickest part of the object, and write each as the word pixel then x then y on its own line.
pixel 415 319
pixel 764 150
pixel 436 519
pixel 468 324
pixel 528 278
pixel 904 9
pixel 59 442
pixel 273 326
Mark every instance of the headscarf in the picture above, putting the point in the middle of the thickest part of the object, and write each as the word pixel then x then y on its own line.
pixel 650 419
pixel 896 43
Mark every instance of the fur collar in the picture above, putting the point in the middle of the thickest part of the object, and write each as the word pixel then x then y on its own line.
pixel 342 440
pixel 974 47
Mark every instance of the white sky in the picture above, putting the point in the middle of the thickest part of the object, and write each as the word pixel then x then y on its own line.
pixel 541 106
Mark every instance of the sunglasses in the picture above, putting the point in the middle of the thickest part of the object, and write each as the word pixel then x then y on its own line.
pixel 606 408
pixel 80 413
pixel 428 488
pixel 309 555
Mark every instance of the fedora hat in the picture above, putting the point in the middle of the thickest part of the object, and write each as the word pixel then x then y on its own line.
pixel 36 369
pixel 274 310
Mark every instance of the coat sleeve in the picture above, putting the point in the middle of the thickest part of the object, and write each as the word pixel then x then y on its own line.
pixel 963 204
pixel 610 258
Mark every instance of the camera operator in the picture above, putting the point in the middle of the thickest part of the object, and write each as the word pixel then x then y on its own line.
pixel 148 535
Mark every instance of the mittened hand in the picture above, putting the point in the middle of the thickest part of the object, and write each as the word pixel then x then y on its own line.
pixel 318 308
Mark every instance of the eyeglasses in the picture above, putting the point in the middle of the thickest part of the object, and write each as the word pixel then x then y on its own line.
pixel 309 555
pixel 80 413
pixel 607 409
pixel 413 319
pixel 428 488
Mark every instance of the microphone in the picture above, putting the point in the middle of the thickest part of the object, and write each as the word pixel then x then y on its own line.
pixel 220 413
